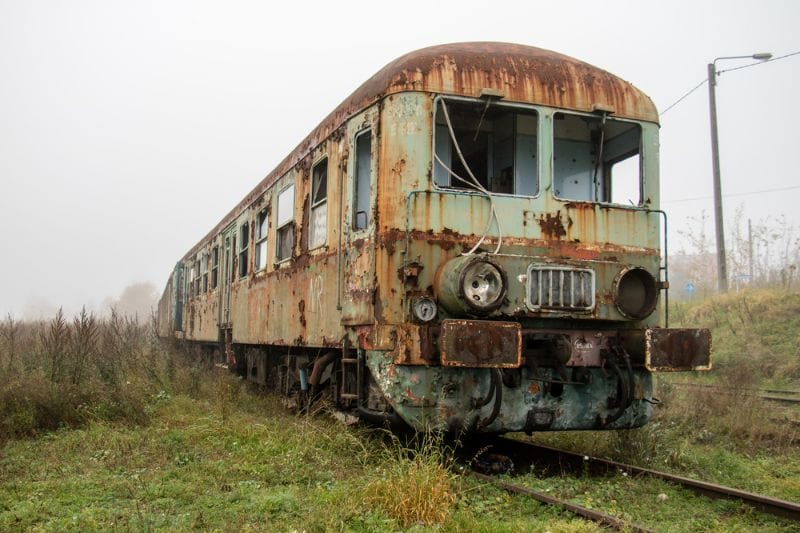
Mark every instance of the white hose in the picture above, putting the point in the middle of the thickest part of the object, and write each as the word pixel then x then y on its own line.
pixel 473 181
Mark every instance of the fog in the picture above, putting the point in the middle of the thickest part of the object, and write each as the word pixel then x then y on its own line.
pixel 128 129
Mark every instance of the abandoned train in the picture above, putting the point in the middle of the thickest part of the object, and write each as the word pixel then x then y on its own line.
pixel 471 242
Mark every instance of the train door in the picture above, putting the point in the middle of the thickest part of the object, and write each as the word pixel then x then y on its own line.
pixel 357 273
pixel 228 246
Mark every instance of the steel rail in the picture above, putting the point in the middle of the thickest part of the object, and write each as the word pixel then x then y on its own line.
pixel 761 502
pixel 732 390
pixel 590 514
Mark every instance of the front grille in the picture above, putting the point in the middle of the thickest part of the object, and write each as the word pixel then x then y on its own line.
pixel 560 287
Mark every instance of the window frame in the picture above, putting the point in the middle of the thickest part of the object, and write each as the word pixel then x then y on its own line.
pixel 354 223
pixel 539 113
pixel 197 275
pixel 214 267
pixel 204 273
pixel 606 168
pixel 244 248
pixel 314 206
pixel 261 240
pixel 288 223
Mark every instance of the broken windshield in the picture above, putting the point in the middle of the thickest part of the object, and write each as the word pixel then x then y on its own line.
pixel 596 159
pixel 498 144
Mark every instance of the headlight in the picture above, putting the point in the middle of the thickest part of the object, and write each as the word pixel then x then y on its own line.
pixel 470 284
pixel 482 285
pixel 636 293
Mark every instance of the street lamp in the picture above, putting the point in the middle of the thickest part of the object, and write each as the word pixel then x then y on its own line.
pixel 722 269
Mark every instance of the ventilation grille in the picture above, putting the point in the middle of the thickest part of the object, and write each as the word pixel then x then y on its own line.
pixel 560 287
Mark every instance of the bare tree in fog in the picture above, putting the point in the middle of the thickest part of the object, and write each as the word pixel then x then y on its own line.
pixel 137 300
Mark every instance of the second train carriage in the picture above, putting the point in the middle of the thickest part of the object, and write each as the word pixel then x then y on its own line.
pixel 470 242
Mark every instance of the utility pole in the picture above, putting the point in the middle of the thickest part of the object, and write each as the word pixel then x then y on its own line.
pixel 722 267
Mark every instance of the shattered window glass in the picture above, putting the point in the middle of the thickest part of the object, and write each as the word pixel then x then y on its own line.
pixel 497 144
pixel 596 159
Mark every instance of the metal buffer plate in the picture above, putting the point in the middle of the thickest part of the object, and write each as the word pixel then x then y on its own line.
pixel 481 344
pixel 677 349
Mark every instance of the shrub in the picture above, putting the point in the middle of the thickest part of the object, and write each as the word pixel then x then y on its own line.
pixel 64 374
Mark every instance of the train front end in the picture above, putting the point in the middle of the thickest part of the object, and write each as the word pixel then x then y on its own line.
pixel 520 277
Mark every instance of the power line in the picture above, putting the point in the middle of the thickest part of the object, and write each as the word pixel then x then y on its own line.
pixel 762 191
pixel 705 80
pixel 679 100
pixel 758 63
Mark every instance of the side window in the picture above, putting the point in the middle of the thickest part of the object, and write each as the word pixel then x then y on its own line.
pixel 214 267
pixel 361 188
pixel 596 159
pixel 204 272
pixel 319 204
pixel 261 240
pixel 285 224
pixel 192 275
pixel 197 277
pixel 244 244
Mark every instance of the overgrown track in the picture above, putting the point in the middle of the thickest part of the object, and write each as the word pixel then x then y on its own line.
pixel 526 454
pixel 590 514
pixel 787 397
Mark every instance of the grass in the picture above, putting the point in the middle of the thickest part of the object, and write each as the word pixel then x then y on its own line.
pixel 105 428
pixel 261 469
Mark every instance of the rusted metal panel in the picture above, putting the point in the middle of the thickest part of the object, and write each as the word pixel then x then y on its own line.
pixel 414 345
pixel 677 349
pixel 481 344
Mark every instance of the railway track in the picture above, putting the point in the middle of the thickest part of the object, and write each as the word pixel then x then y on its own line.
pixel 590 514
pixel 525 455
pixel 786 397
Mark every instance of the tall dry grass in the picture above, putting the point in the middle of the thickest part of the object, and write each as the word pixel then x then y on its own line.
pixel 414 484
pixel 64 373
pixel 756 334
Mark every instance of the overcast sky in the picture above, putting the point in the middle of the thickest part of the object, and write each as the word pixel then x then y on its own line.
pixel 128 129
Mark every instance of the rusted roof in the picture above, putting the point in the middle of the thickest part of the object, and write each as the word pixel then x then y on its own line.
pixel 522 73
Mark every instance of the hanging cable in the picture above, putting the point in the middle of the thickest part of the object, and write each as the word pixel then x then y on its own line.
pixel 473 181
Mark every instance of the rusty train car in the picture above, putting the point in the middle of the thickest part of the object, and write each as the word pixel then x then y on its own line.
pixel 471 241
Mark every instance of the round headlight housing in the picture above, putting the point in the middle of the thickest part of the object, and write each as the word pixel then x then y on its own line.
pixel 636 293
pixel 483 285
pixel 470 285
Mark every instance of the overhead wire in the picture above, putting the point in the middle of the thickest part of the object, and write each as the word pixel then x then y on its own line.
pixel 705 80
pixel 679 100
pixel 762 191
pixel 771 60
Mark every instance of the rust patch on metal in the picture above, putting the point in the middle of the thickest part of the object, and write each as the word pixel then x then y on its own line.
pixel 301 308
pixel 410 273
pixel 481 344
pixel 552 226
pixel 677 349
